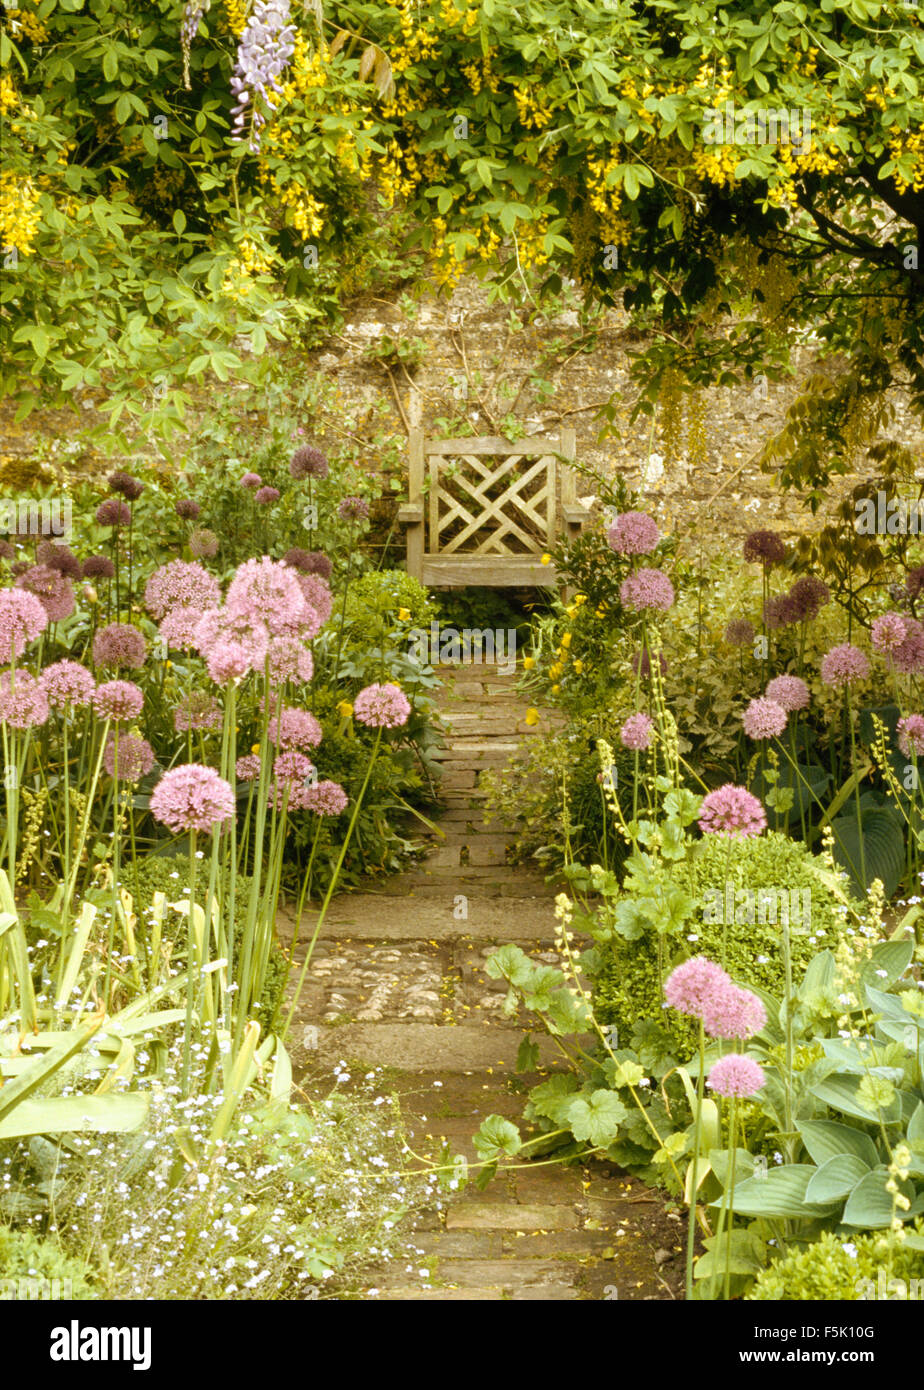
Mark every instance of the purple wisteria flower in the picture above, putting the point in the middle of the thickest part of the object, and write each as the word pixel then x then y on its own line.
pixel 23 703
pixel 308 462
pixel 192 797
pixel 635 733
pixel 735 1075
pixel 910 732
pixel 764 718
pixel 264 51
pixel 22 619
pixel 790 692
pixel 381 707
pixel 67 683
pixel 134 759
pixel 843 665
pixel 121 646
pixel 633 533
pixel 118 700
pixel 765 548
pixel 739 633
pixel 647 588
pixel 731 810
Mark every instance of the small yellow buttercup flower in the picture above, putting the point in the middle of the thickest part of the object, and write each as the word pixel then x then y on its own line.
pixel 579 599
pixel 345 709
pixel 255 748
pixel 555 689
pixel 556 670
pixel 566 639
pixel 528 663
pixel 531 716
pixel 404 615
pixel 546 560
pixel 578 667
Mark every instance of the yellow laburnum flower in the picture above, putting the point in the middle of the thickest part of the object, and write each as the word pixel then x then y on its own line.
pixel 555 689
pixel 572 611
pixel 556 670
pixel 566 639
pixel 528 663
pixel 531 716
pixel 345 709
pixel 546 560
pixel 578 666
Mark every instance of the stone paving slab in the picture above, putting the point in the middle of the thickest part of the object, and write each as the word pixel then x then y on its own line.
pixel 498 1216
pixel 423 1047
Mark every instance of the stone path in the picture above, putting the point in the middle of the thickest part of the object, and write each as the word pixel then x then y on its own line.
pixel 398 981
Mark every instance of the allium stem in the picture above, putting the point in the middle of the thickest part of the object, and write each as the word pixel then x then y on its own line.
pixel 694 1174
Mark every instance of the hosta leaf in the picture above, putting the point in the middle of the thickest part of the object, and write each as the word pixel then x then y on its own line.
pixel 869 1204
pixel 826 1139
pixel 836 1178
pixel 780 1193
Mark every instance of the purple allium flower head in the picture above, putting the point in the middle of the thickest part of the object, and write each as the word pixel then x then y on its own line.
pixel 199 712
pixel 888 632
pixel 236 638
pixel 125 485
pixel 203 544
pixel 294 728
pixel 908 658
pixel 22 619
pixel 633 533
pixel 52 589
pixel 381 707
pixel 7 551
pixel 646 588
pixel 308 462
pixel 788 691
pixel 178 628
pixel 192 797
pixel 252 481
pixel 292 774
pixel 910 732
pixel 780 612
pixel 635 734
pixel 764 718
pixel 808 596
pixel 248 767
pixel 187 509
pixel 735 1075
pixel 134 759
pixel 914 581
pixel 736 1013
pixel 181 584
pixel 692 986
pixel 119 645
pixel 118 700
pixel 765 548
pixel 317 595
pixel 731 810
pixel 843 665
pixel 97 567
pixel 316 563
pixel 270 591
pixel 353 509
pixel 739 633
pixel 113 512
pixel 19 568
pixel 67 683
pixel 325 799
pixel 642 659
pixel 58 557
pixel 266 495
pixel 289 660
pixel 298 558
pixel 23 703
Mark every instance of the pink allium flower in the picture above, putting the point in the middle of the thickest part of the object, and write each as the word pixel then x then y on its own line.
pixel 808 596
pixel 289 660
pixel 270 591
pixel 97 567
pixel 199 712
pixel 134 761
pixel 739 633
pixel 636 732
pixel 381 707
pixel 119 645
pixel 788 691
pixel 731 810
pixel 265 495
pixel 52 589
pixel 22 619
pixel 695 984
pixel 633 533
pixel 58 557
pixel 910 732
pixel 248 767
pixel 888 632
pixel 178 628
pixel 844 664
pixel 908 658
pixel 118 700
pixel 308 462
pixel 734 1075
pixel 67 683
pixel 317 595
pixel 353 509
pixel 23 703
pixel 764 718
pixel 204 544
pixel 192 797
pixel 251 481
pixel 234 642
pixel 325 799
pixel 780 612
pixel 181 584
pixel 294 728
pixel 187 509
pixel 113 512
pixel 738 1013
pixel 764 547
pixel 292 774
pixel 229 661
pixel 646 588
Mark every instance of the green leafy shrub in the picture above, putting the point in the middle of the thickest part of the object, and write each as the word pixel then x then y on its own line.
pixel 832 1268
pixel 26 1256
pixel 384 592
pixel 628 987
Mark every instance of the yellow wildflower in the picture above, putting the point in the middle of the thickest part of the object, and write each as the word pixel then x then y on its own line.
pixel 345 709
pixel 531 716
pixel 528 663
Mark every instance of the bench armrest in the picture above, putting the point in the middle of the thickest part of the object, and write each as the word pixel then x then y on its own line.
pixel 411 512
pixel 575 514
